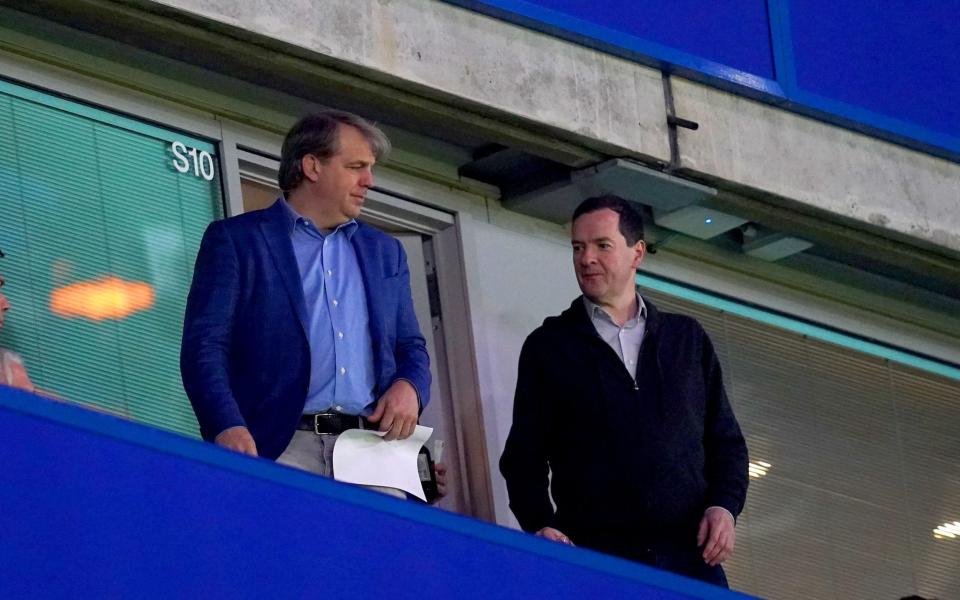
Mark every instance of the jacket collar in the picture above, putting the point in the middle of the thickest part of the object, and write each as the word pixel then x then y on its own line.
pixel 576 316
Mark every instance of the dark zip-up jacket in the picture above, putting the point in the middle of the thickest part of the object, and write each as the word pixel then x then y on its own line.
pixel 631 457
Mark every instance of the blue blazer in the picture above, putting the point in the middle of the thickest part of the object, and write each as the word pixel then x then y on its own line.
pixel 245 357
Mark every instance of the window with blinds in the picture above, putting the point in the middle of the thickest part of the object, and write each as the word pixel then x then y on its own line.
pixel 855 463
pixel 101 218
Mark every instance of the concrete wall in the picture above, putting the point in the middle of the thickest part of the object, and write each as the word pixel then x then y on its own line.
pixel 470 56
pixel 616 106
pixel 819 165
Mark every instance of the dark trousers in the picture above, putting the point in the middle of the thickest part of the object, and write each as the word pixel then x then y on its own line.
pixel 687 562
pixel 683 559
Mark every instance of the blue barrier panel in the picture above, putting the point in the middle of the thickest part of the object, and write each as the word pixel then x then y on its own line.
pixel 888 69
pixel 94 506
pixel 730 40
pixel 706 30
pixel 899 59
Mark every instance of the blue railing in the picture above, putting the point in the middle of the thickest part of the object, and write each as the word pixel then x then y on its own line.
pixel 96 506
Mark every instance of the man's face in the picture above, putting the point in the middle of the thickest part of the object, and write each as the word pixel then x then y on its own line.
pixel 4 303
pixel 340 183
pixel 605 265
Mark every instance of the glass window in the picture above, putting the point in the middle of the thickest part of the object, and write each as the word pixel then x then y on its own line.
pixel 101 217
pixel 855 465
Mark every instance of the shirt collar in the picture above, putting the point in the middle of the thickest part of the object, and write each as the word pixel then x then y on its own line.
pixel 596 312
pixel 293 217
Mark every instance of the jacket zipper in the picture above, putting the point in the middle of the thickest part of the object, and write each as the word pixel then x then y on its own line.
pixel 636 386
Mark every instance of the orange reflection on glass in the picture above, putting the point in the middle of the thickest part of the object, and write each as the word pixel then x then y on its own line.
pixel 107 298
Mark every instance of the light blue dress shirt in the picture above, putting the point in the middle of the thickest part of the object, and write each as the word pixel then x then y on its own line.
pixel 338 329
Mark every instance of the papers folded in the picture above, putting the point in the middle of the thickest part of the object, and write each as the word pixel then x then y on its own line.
pixel 363 457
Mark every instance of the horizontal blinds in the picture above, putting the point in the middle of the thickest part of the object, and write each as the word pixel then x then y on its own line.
pixel 865 463
pixel 93 114
pixel 930 441
pixel 89 196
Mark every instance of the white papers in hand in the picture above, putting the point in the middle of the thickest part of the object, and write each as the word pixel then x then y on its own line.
pixel 363 457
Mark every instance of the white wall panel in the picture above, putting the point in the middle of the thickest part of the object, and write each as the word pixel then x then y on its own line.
pixel 515 281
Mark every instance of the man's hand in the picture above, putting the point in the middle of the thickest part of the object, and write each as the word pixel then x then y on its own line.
pixel 716 535
pixel 441 471
pixel 397 411
pixel 554 535
pixel 237 439
pixel 19 377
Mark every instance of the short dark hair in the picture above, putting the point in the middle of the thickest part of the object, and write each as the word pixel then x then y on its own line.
pixel 318 134
pixel 631 221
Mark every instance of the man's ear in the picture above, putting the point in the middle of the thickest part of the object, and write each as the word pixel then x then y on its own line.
pixel 310 166
pixel 640 251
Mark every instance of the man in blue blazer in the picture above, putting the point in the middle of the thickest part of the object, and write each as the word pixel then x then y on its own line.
pixel 300 321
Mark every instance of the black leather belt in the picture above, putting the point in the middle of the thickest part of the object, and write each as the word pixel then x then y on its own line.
pixel 330 423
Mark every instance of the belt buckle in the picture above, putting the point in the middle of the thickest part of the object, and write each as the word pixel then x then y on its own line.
pixel 316 423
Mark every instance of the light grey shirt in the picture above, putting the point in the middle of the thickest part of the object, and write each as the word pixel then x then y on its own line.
pixel 625 340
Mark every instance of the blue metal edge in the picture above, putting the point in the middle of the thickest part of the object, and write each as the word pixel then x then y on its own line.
pixel 841 113
pixel 801 326
pixel 75 416
pixel 783 92
pixel 875 124
pixel 781 42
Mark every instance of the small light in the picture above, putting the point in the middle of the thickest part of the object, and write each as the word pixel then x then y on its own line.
pixel 947 531
pixel 708 220
pixel 758 469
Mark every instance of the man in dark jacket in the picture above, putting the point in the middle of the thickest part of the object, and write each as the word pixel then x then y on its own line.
pixel 620 411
